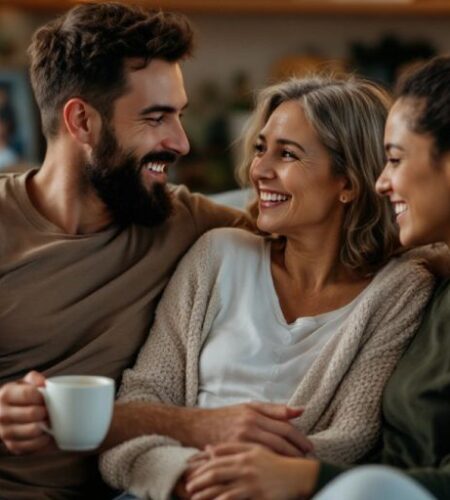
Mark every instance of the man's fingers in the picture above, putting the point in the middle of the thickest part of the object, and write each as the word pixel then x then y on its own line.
pixel 277 411
pixel 35 378
pixel 294 411
pixel 274 442
pixel 288 432
pixel 23 432
pixel 22 394
pixel 24 414
pixel 29 446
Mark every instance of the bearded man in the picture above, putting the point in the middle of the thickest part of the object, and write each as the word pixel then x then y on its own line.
pixel 89 240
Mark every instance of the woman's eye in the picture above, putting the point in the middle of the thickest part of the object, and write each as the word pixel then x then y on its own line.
pixel 288 154
pixel 393 161
pixel 258 149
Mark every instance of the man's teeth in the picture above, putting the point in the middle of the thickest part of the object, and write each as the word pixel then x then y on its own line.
pixel 399 208
pixel 156 167
pixel 265 196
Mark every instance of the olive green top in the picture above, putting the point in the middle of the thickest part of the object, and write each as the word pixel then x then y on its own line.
pixel 416 405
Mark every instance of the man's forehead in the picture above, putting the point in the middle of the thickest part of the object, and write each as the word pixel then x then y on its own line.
pixel 158 84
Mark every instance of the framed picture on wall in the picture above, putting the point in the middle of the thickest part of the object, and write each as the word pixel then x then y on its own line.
pixel 19 134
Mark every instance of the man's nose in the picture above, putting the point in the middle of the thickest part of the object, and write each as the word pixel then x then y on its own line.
pixel 178 140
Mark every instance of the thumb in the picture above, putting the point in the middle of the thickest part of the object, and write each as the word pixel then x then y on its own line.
pixel 35 378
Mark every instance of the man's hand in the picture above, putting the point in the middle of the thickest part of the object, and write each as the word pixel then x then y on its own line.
pixel 22 413
pixel 262 423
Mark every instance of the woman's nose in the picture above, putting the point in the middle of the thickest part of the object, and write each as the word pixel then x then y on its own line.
pixel 383 183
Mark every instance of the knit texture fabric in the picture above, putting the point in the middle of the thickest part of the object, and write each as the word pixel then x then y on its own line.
pixel 341 392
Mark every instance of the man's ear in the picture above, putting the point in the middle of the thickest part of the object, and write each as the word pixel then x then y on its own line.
pixel 82 121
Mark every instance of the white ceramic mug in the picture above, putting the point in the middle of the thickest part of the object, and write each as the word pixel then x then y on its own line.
pixel 80 409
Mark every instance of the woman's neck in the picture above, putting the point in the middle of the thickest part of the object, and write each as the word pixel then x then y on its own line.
pixel 310 279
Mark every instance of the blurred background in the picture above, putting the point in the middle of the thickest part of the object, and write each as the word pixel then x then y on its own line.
pixel 242 45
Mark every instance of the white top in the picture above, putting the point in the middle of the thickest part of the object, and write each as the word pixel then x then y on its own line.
pixel 251 353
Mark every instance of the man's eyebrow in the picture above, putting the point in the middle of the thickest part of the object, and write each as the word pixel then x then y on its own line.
pixel 161 108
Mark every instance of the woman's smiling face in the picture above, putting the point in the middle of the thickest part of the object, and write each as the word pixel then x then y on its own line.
pixel 291 172
pixel 417 184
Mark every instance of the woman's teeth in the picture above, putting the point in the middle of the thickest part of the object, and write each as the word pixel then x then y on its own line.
pixel 265 196
pixel 399 208
pixel 156 167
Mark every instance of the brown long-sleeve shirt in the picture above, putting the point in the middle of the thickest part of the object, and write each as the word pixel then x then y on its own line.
pixel 80 304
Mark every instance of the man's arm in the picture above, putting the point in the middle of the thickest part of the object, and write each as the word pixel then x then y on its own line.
pixel 263 423
pixel 207 214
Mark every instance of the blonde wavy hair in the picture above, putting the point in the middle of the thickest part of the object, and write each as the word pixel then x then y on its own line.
pixel 348 114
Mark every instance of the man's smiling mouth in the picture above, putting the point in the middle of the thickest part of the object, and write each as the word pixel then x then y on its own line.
pixel 158 168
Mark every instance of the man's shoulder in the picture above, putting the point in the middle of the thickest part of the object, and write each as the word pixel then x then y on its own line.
pixel 8 184
pixel 203 213
pixel 13 179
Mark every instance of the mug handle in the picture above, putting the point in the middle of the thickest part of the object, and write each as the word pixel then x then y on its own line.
pixel 43 426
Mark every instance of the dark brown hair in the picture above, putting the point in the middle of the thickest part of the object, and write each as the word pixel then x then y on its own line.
pixel 83 53
pixel 429 85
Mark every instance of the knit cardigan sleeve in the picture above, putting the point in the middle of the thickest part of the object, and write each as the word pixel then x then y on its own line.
pixel 343 407
pixel 166 372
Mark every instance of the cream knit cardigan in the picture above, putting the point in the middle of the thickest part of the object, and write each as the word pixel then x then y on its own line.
pixel 341 391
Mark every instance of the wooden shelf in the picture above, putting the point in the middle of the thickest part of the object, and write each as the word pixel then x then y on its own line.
pixel 416 8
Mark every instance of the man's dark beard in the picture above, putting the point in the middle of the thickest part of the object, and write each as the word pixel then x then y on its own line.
pixel 115 176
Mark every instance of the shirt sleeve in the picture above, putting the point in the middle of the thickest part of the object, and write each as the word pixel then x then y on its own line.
pixel 207 214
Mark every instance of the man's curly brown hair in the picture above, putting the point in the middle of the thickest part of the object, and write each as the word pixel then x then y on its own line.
pixel 83 54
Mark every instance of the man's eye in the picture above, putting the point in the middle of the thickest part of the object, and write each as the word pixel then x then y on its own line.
pixel 155 120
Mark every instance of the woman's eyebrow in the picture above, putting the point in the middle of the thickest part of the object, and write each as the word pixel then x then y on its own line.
pixel 283 142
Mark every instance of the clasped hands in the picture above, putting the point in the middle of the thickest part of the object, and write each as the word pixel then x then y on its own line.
pixel 261 461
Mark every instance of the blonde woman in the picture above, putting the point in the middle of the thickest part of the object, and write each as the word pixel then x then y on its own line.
pixel 316 316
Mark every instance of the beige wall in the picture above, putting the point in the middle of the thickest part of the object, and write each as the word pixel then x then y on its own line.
pixel 229 43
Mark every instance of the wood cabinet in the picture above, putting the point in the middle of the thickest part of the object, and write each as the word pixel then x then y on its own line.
pixel 301 7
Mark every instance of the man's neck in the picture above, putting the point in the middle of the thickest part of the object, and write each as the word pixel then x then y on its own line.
pixel 61 194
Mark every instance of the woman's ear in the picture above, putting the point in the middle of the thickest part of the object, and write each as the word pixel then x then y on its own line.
pixel 82 121
pixel 348 192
